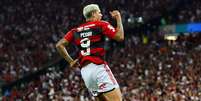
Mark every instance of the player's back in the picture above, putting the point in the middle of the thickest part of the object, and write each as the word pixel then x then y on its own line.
pixel 89 38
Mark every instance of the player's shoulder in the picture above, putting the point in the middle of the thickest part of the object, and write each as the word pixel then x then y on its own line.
pixel 87 25
pixel 79 27
pixel 103 22
pixel 71 31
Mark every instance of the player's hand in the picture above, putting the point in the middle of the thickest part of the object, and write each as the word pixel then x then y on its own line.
pixel 74 63
pixel 115 14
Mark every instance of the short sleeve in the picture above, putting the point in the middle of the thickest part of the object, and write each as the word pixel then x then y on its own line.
pixel 69 36
pixel 108 29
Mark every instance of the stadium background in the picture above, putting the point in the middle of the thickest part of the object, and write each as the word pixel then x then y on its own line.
pixel 147 66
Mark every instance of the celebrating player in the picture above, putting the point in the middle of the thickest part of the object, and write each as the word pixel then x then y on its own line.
pixel 89 37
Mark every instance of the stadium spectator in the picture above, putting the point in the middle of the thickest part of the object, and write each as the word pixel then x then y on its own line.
pixel 154 70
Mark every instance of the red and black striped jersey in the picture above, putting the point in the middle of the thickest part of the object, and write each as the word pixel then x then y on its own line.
pixel 89 37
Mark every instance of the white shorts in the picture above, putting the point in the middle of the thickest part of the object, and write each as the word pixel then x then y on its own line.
pixel 98 78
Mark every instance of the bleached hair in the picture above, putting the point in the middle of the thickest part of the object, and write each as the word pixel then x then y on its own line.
pixel 90 8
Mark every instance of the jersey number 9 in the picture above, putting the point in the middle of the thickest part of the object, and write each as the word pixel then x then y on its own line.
pixel 85 43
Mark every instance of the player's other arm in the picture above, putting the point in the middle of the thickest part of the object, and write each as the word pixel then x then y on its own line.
pixel 119 36
pixel 61 48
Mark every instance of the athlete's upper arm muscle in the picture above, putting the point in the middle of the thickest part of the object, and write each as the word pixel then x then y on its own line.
pixel 116 34
pixel 63 42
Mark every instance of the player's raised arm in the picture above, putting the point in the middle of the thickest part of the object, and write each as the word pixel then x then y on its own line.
pixel 119 36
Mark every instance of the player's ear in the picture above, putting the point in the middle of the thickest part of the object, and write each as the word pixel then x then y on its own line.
pixel 93 13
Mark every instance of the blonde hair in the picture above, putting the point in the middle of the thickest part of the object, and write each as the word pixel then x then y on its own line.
pixel 88 9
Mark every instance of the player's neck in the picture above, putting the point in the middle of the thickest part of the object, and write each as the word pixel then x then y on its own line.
pixel 91 19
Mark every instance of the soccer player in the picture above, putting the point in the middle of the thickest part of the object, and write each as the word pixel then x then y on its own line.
pixel 89 37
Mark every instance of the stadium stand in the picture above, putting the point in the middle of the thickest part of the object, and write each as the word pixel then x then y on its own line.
pixel 156 70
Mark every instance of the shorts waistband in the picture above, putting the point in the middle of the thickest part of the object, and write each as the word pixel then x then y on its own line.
pixel 85 63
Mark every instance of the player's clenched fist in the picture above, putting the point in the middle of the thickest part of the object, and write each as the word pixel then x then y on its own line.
pixel 115 14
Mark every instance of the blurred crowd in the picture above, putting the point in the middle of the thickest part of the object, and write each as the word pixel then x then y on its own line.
pixel 155 71
pixel 166 71
pixel 30 29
